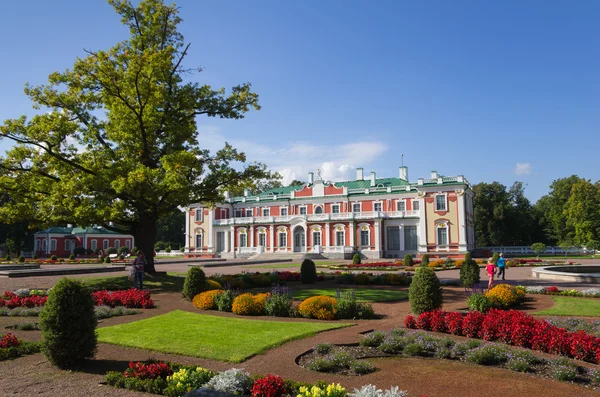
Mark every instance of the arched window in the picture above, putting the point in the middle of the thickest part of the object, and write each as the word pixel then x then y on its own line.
pixel 243 238
pixel 365 236
pixel 442 233
pixel 340 236
pixel 318 210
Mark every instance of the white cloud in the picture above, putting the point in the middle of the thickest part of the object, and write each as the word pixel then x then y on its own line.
pixel 294 160
pixel 523 169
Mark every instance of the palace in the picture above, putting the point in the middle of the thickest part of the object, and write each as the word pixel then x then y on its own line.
pixel 378 217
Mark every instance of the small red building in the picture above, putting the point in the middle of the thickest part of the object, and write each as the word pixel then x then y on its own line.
pixel 61 241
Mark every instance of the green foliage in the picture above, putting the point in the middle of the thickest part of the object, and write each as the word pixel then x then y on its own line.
pixel 470 273
pixel 308 272
pixel 356 259
pixel 347 306
pixel 123 250
pixel 72 257
pixel 7 257
pixel 168 249
pixel 79 251
pixel 495 258
pixel 21 259
pixel 23 349
pixel 479 302
pixel 120 136
pixel 195 282
pixel 107 259
pixel 425 260
pixel 53 258
pixel 408 260
pixel 68 324
pixel 425 292
pixel 538 248
pixel 153 386
pixel 225 300
pixel 110 251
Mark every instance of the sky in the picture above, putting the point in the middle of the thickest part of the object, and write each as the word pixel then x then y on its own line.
pixel 495 91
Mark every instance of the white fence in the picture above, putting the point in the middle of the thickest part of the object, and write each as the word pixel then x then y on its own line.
pixel 526 250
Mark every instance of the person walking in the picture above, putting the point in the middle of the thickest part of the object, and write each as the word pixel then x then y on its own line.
pixel 501 266
pixel 491 270
pixel 138 266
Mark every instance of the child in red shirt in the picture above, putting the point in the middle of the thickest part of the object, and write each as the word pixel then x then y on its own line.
pixel 491 271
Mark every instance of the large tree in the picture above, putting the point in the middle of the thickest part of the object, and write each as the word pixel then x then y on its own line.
pixel 493 212
pixel 115 139
pixel 582 212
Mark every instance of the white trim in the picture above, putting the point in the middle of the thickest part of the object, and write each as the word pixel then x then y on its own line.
pixel 284 207
pixel 315 206
pixel 300 207
pixel 361 227
pixel 435 202
pixel 413 202
pixel 378 202
pixel 403 202
pixel 265 211
pixel 353 203
pixel 338 227
pixel 442 224
pixel 339 207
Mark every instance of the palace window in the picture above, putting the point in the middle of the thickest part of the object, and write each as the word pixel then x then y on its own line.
pixel 302 210
pixel 94 245
pixel 128 244
pixel 442 234
pixel 316 237
pixel 198 241
pixel 53 245
pixel 283 239
pixel 339 238
pixel 262 238
pixel 283 211
pixel 68 245
pixel 243 240
pixel 265 212
pixel 44 245
pixel 440 202
pixel 415 205
pixel 356 207
pixel 198 215
pixel 377 206
pixel 105 244
pixel 117 244
pixel 318 210
pixel 335 208
pixel 401 205
pixel 365 241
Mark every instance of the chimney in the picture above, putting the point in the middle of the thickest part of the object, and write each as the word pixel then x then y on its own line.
pixel 404 173
pixel 373 178
pixel 434 174
pixel 246 192
pixel 311 178
pixel 359 174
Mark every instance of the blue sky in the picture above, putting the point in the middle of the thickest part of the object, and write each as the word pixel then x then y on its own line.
pixel 495 91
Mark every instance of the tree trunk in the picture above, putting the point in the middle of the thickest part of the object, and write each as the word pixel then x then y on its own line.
pixel 145 233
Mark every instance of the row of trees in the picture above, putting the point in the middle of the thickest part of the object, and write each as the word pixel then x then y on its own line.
pixel 568 215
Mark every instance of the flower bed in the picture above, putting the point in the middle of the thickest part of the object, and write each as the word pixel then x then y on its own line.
pixel 502 296
pixel 512 327
pixel 11 300
pixel 174 380
pixel 131 298
pixel 554 290
pixel 12 347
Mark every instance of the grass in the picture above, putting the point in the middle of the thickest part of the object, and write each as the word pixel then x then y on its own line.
pixel 160 282
pixel 210 337
pixel 365 295
pixel 283 265
pixel 572 306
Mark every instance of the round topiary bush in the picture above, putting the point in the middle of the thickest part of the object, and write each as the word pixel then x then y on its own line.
pixel 408 260
pixel 35 256
pixel 107 259
pixel 425 292
pixel 356 259
pixel 72 257
pixel 7 258
pixel 79 251
pixel 53 258
pixel 195 282
pixel 495 258
pixel 123 251
pixel 68 324
pixel 21 259
pixel 320 307
pixel 425 260
pixel 308 272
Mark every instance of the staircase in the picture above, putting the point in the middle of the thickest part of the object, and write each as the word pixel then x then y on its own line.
pixel 294 256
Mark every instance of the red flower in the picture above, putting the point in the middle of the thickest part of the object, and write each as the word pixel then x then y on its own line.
pixel 269 386
pixel 409 322
pixel 9 340
pixel 147 371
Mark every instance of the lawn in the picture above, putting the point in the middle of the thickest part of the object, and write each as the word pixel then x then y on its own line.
pixel 283 265
pixel 160 282
pixel 211 337
pixel 365 295
pixel 571 306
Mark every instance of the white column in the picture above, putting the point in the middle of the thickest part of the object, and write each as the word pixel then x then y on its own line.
pixel 327 235
pixel 422 227
pixel 352 235
pixel 377 236
pixel 251 236
pixel 187 230
pixel 271 238
pixel 462 226
pixel 209 227
pixel 401 234
pixel 227 248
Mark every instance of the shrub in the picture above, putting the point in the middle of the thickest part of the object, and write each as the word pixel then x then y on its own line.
pixel 111 250
pixel 186 379
pixel 168 248
pixel 52 258
pixel 392 345
pixel 212 285
pixel 408 260
pixel 503 296
pixel 260 280
pixel 79 250
pixel 279 303
pixel 107 259
pixel 7 257
pixel 361 279
pixel 234 381
pixel 308 272
pixel 348 308
pixel 249 305
pixel 488 355
pixel 454 322
pixel 68 324
pixel 319 307
pixel 269 386
pixel 425 260
pixel 362 367
pixel 206 300
pixel 372 391
pixel 372 339
pixel 479 302
pixel 521 361
pixel 356 259
pixel 410 322
pixel 225 300
pixel 472 324
pixel 195 282
pixel 323 348
pixel 425 292
pixel 321 364
pixel 495 258
pixel 469 272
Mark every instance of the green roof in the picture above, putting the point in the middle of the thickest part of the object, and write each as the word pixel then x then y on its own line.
pixel 78 230
pixel 366 183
